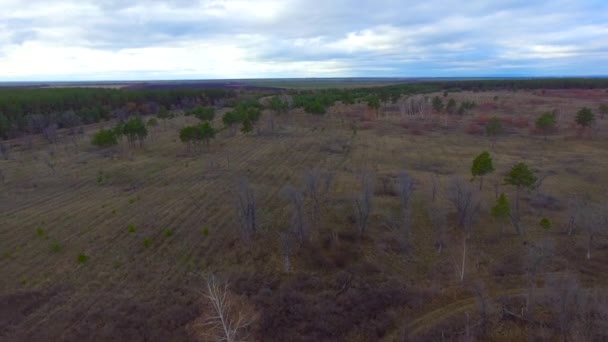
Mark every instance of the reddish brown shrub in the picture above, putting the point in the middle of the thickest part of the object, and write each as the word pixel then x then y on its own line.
pixel 521 122
pixel 366 125
pixel 507 121
pixel 475 129
pixel 482 119
pixel 487 106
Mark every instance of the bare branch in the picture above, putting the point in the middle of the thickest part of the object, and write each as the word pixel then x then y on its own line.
pixel 246 210
pixel 363 203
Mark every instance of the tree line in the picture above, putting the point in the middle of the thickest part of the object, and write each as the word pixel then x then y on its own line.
pixel 30 111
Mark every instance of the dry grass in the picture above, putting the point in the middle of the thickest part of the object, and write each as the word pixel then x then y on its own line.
pixel 88 205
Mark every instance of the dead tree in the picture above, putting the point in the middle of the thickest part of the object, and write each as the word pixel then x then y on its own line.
pixel 226 323
pixel 438 217
pixel 286 246
pixel 466 202
pixel 50 133
pixel 434 187
pixel 484 307
pixel 317 185
pixel 50 163
pixel 298 220
pixel 536 256
pixel 5 151
pixel 461 264
pixel 565 295
pixel 363 202
pixel 592 219
pixel 405 189
pixel 246 210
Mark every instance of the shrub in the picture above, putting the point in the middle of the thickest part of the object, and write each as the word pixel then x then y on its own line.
pixel 585 117
pixel 147 242
pixel 168 233
pixel 40 232
pixel 545 223
pixel 82 258
pixel 135 129
pixel 131 229
pixel 482 120
pixel 521 123
pixel 203 113
pixel 152 122
pixel 475 129
pixel 104 138
pixel 205 231
pixel 56 247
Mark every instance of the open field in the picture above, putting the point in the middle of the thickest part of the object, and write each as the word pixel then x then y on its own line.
pixel 117 244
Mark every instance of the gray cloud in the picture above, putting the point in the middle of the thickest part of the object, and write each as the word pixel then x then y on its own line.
pixel 235 38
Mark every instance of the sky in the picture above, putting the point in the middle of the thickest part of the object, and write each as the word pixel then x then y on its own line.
pixel 44 40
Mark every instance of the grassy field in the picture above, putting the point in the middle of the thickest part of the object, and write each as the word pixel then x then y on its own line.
pixel 117 244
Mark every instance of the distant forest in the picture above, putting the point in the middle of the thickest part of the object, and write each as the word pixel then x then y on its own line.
pixel 32 110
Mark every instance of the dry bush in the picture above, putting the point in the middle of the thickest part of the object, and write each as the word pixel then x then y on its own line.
pixel 307 308
pixel 481 120
pixel 366 126
pixel 226 319
pixel 475 129
pixel 521 122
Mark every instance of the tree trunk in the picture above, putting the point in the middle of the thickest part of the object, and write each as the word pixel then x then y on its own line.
pixel 464 258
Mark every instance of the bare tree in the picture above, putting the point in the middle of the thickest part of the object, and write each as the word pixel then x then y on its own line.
pixel 226 323
pixel 287 250
pixel 466 202
pixel 460 265
pixel 434 186
pixel 298 220
pixel 484 307
pixel 317 185
pixel 537 255
pixel 47 159
pixel 50 133
pixel 405 189
pixel 246 210
pixel 363 202
pixel 565 298
pixel 438 216
pixel 5 150
pixel 2 177
pixel 591 218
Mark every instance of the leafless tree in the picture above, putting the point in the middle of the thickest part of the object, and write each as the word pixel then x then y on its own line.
pixel 592 219
pixel 298 220
pixel 434 186
pixel 536 256
pixel 438 216
pixel 484 306
pixel 5 150
pixel 246 210
pixel 466 202
pixel 47 159
pixel 565 299
pixel 460 263
pixel 363 202
pixel 50 133
pixel 2 178
pixel 286 246
pixel 405 188
pixel 226 323
pixel 317 185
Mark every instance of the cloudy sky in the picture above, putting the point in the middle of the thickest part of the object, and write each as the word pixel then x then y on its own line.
pixel 190 39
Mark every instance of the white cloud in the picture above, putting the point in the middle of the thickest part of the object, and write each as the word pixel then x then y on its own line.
pixel 81 39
